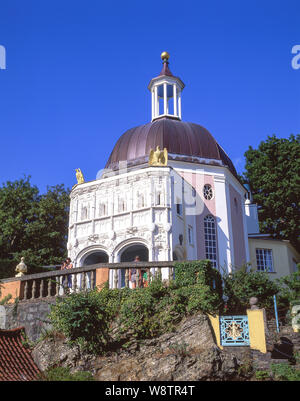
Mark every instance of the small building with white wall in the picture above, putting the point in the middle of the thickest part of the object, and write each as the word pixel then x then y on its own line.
pixel 168 192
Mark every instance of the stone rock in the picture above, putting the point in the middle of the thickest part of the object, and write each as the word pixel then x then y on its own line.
pixel 55 351
pixel 190 353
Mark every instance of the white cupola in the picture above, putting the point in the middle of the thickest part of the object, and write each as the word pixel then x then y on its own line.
pixel 166 92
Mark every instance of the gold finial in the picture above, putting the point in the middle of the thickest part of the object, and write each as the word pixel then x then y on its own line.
pixel 165 56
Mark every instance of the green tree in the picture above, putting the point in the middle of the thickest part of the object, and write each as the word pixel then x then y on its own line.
pixel 272 171
pixel 241 285
pixel 290 287
pixel 32 225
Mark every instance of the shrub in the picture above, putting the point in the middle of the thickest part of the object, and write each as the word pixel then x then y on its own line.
pixel 262 375
pixel 5 299
pixel 82 317
pixel 241 285
pixel 201 272
pixel 199 285
pixel 85 318
pixel 283 371
pixel 290 288
pixel 63 374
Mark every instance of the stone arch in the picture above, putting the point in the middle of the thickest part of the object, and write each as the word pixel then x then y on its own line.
pixel 92 255
pixel 126 252
pixel 125 245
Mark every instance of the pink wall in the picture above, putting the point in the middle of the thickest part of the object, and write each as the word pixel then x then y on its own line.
pixel 237 227
pixel 209 206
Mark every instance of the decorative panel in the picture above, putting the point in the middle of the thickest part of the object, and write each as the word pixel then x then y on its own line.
pixel 234 331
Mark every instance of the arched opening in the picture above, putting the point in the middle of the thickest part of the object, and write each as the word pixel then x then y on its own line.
pixel 129 254
pixel 94 258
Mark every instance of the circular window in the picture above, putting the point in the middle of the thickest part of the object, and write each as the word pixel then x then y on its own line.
pixel 208 192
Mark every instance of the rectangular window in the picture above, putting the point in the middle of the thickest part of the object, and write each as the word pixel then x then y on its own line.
pixel 264 260
pixel 178 207
pixel 210 240
pixel 190 235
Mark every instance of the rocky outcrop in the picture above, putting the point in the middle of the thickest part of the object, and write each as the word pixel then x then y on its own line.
pixel 189 353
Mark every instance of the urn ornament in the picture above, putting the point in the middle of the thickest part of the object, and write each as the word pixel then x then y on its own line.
pixel 21 268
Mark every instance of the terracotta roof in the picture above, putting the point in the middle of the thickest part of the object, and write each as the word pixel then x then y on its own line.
pixel 16 362
pixel 180 138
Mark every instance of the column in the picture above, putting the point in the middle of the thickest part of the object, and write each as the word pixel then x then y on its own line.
pixel 156 105
pixel 153 104
pixel 165 99
pixel 179 104
pixel 175 100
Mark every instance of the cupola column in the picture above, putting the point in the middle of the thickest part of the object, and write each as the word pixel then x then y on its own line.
pixel 179 105
pixel 165 99
pixel 156 104
pixel 175 99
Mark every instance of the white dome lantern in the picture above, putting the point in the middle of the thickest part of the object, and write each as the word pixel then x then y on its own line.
pixel 166 92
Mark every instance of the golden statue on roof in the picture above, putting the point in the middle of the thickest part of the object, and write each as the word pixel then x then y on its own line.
pixel 158 157
pixel 79 176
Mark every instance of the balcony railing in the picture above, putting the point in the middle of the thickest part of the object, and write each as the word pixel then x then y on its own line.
pixel 62 282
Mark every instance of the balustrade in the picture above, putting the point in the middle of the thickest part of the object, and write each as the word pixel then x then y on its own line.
pixel 63 282
pixel 144 273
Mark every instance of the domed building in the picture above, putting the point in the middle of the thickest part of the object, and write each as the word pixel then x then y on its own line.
pixel 168 192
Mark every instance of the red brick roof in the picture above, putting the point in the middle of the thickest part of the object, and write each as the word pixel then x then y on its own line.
pixel 16 363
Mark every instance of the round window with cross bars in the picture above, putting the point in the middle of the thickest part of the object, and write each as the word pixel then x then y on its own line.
pixel 208 192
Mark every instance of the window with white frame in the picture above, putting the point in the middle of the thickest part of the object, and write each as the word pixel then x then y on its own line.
pixel 102 209
pixel 141 200
pixel 121 205
pixel 210 239
pixel 158 198
pixel 264 260
pixel 84 213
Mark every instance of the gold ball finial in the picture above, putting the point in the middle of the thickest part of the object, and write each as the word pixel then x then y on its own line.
pixel 165 56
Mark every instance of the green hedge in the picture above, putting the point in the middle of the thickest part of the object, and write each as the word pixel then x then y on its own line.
pixel 86 318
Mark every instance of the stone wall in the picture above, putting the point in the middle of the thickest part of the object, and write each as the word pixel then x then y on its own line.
pixel 29 314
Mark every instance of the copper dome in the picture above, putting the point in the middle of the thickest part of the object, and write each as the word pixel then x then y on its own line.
pixel 184 141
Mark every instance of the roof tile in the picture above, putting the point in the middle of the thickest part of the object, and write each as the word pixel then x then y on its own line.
pixel 16 362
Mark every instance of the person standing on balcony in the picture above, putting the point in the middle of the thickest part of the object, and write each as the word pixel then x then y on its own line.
pixel 133 274
pixel 69 266
pixel 63 266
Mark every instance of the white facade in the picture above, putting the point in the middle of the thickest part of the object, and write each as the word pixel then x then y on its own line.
pixel 157 207
pixel 192 208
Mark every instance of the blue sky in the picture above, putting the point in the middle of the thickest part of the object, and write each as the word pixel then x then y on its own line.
pixel 77 75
